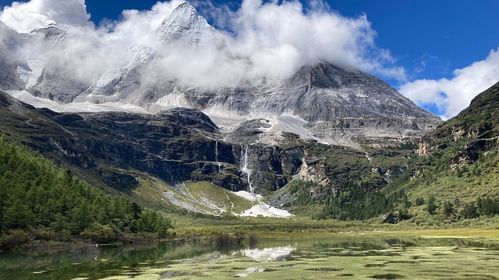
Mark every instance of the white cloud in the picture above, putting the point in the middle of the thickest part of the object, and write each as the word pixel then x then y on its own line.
pixel 26 16
pixel 453 95
pixel 267 40
pixel 294 37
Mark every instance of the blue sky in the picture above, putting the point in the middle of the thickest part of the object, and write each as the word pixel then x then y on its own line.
pixel 430 39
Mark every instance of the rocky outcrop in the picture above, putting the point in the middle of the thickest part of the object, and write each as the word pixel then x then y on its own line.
pixel 314 170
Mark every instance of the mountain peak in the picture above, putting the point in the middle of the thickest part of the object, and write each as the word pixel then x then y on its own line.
pixel 51 32
pixel 186 5
pixel 184 23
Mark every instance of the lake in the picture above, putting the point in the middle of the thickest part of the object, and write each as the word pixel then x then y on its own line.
pixel 326 257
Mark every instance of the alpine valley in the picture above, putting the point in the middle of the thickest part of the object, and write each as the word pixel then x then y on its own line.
pixel 304 152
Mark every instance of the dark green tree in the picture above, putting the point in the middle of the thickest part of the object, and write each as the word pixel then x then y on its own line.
pixel 431 205
pixel 448 209
pixel 419 201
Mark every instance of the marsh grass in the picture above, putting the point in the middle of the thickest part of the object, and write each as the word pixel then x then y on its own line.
pixel 353 256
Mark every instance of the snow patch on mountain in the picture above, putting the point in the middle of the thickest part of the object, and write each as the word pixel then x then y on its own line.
pixel 261 209
pixel 75 107
pixel 264 210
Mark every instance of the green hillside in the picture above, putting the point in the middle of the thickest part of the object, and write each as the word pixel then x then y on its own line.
pixel 458 165
pixel 39 200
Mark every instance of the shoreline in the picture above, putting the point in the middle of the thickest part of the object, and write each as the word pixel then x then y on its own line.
pixel 78 245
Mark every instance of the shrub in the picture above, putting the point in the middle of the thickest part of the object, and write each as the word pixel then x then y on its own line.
pixel 14 238
pixel 488 207
pixel 470 211
pixel 419 201
pixel 100 233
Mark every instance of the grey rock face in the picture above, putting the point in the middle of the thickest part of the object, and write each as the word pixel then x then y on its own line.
pixel 51 33
pixel 329 104
pixel 174 145
pixel 178 145
pixel 340 107
pixel 324 92
pixel 57 85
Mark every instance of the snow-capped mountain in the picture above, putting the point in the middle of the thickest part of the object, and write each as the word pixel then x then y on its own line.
pixel 187 26
pixel 322 102
pixel 183 27
pixel 47 79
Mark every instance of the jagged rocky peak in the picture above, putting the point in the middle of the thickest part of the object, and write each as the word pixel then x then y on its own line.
pixel 52 32
pixel 185 24
pixel 327 103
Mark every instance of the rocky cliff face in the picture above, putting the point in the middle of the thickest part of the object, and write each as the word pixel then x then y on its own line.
pixel 174 145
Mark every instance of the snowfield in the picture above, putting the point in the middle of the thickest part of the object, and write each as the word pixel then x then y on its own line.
pixel 264 210
pixel 261 209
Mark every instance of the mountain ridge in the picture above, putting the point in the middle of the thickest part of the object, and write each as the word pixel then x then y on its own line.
pixel 321 102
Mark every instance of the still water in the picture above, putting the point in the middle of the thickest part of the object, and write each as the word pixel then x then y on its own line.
pixel 335 257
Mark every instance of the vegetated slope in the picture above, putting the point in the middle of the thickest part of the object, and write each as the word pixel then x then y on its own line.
pixel 171 145
pixel 457 171
pixel 124 152
pixel 453 175
pixel 336 182
pixel 39 200
pixel 189 198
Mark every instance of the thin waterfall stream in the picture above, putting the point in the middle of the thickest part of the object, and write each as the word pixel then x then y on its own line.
pixel 246 169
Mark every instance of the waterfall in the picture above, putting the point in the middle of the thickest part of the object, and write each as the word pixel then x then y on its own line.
pixel 216 156
pixel 245 168
pixel 368 157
